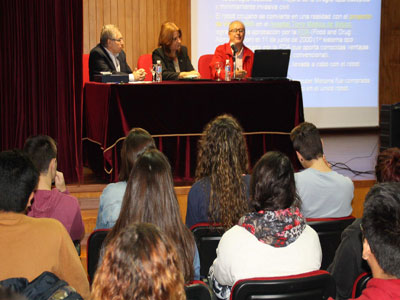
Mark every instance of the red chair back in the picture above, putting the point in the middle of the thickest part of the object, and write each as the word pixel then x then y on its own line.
pixel 85 68
pixel 144 62
pixel 360 284
pixel 316 285
pixel 329 232
pixel 204 66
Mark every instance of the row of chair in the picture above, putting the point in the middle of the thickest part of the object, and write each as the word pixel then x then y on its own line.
pixel 312 285
pixel 145 61
pixel 329 230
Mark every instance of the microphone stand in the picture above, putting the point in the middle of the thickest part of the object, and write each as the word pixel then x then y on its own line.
pixel 234 60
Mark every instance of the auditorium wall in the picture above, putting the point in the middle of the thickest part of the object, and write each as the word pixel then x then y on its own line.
pixel 139 21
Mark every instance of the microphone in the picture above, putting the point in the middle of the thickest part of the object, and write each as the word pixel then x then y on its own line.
pixel 234 49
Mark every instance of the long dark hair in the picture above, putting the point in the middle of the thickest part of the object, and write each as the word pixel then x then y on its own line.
pixel 222 157
pixel 272 185
pixel 150 198
pixel 135 143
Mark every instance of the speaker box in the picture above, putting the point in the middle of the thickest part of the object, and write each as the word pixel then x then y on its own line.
pixel 389 123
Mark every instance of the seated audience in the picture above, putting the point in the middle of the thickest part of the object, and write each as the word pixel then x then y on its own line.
pixel 380 226
pixel 140 262
pixel 274 239
pixel 220 193
pixel 30 246
pixel 244 56
pixel 348 263
pixel 53 203
pixel 108 55
pixel 324 193
pixel 174 57
pixel 150 198
pixel 136 142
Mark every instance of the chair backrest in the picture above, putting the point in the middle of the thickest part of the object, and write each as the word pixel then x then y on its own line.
pixel 85 68
pixel 204 66
pixel 316 285
pixel 144 62
pixel 360 284
pixel 329 232
pixel 94 244
pixel 207 239
pixel 198 290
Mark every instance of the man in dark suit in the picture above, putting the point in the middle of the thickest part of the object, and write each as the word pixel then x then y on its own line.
pixel 108 56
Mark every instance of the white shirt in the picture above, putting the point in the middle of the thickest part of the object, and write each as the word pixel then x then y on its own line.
pixel 241 255
pixel 117 64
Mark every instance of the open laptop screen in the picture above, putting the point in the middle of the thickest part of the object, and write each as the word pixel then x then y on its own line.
pixel 270 63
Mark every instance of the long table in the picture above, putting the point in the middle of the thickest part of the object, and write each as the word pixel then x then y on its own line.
pixel 176 113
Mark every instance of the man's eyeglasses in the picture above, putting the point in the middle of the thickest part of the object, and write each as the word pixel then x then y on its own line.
pixel 240 30
pixel 117 40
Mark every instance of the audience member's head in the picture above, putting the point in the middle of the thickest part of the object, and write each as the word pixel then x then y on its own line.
pixel 307 141
pixel 140 262
pixel 18 179
pixel 388 165
pixel 169 38
pixel 42 150
pixel 222 157
pixel 135 143
pixel 150 198
pixel 381 229
pixel 272 185
pixel 8 294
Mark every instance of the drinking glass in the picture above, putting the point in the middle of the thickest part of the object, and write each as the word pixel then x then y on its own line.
pixel 153 72
pixel 218 67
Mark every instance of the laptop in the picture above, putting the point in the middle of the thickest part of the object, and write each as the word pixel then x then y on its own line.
pixel 270 64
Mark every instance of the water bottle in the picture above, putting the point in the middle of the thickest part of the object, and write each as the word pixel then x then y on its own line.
pixel 159 71
pixel 227 71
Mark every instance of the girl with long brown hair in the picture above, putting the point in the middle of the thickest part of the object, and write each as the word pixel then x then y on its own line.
pixel 135 143
pixel 150 198
pixel 220 194
pixel 140 262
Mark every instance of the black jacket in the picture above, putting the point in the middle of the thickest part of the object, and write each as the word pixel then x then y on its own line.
pixel 100 61
pixel 168 69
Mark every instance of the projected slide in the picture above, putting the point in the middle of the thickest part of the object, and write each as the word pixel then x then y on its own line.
pixel 334 43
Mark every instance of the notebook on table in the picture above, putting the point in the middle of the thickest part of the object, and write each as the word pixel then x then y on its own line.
pixel 270 64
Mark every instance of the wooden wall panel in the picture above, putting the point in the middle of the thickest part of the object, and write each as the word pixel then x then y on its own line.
pixel 389 77
pixel 138 20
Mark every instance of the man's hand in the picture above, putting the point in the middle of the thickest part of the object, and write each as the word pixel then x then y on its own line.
pixel 240 74
pixel 60 182
pixel 139 74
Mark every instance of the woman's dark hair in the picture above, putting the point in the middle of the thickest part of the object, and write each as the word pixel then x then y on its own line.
pixel 150 198
pixel 222 157
pixel 272 185
pixel 135 143
pixel 140 262
pixel 388 165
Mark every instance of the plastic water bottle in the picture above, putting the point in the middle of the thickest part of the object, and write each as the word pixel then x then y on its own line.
pixel 159 71
pixel 227 71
